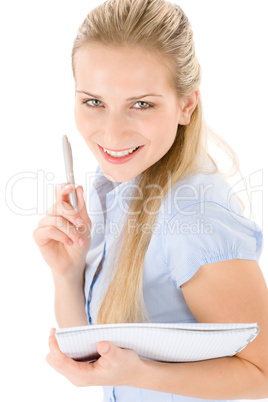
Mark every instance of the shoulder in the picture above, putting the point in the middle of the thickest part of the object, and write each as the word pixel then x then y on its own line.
pixel 203 223
pixel 200 188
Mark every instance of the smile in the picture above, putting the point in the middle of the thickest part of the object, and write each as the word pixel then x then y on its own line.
pixel 119 157
pixel 121 153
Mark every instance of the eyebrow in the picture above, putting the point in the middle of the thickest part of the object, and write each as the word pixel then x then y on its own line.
pixel 127 100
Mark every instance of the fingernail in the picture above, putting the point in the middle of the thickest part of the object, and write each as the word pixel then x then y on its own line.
pixel 105 348
pixel 82 242
pixel 68 187
pixel 51 332
pixel 79 221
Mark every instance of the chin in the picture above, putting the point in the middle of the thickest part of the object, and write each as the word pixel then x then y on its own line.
pixel 119 177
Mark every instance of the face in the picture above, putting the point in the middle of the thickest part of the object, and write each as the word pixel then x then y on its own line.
pixel 124 101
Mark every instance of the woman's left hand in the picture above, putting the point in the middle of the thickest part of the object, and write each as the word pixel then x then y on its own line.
pixel 116 366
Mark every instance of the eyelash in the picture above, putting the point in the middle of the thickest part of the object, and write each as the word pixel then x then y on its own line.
pixel 139 108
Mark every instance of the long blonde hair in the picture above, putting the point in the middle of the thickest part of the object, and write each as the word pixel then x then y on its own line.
pixel 162 27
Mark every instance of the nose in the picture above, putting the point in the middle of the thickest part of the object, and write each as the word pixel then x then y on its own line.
pixel 116 131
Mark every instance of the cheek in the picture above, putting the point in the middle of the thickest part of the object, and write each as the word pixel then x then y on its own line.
pixel 82 121
pixel 77 117
pixel 163 131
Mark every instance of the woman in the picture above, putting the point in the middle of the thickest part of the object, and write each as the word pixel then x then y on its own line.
pixel 165 239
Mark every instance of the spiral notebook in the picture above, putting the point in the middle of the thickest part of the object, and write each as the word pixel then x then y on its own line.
pixel 159 342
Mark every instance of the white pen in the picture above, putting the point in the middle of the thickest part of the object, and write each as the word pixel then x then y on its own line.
pixel 68 160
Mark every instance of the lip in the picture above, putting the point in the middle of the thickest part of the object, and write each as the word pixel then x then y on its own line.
pixel 123 159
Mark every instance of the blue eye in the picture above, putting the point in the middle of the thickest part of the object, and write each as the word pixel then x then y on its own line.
pixel 86 102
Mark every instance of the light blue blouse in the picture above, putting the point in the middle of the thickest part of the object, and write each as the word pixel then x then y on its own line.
pixel 200 222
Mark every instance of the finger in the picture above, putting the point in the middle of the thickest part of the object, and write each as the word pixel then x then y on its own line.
pixel 56 358
pixel 62 192
pixel 82 205
pixel 66 227
pixel 63 206
pixel 109 351
pixel 53 345
pixel 76 372
pixel 44 235
pixel 64 209
pixel 113 354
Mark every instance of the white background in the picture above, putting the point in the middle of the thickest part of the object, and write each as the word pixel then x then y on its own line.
pixel 37 98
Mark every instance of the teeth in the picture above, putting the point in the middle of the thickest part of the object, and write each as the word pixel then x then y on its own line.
pixel 119 154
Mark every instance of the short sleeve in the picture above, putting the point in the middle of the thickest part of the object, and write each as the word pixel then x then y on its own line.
pixel 207 232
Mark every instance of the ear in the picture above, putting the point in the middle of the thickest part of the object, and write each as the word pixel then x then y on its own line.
pixel 188 108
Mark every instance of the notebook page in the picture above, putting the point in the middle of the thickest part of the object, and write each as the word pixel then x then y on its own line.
pixel 160 342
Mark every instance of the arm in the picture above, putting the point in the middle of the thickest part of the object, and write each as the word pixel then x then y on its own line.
pixel 69 301
pixel 67 261
pixel 225 292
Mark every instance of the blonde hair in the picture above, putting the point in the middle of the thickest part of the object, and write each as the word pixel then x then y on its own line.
pixel 161 27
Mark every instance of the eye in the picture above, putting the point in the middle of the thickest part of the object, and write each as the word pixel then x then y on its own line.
pixel 144 103
pixel 86 101
pixel 94 105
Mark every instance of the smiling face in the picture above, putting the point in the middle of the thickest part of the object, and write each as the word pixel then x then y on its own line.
pixel 109 120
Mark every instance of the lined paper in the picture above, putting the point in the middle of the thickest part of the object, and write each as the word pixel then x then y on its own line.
pixel 159 342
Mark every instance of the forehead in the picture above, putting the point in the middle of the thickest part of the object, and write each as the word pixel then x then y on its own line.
pixel 125 67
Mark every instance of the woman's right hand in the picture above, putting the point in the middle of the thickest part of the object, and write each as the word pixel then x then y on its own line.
pixel 58 228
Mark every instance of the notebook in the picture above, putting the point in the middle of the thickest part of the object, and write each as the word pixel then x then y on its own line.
pixel 159 342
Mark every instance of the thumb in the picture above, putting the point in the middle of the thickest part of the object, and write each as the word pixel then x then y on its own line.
pixel 82 210
pixel 107 349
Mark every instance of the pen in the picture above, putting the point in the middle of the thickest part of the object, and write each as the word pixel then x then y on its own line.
pixel 68 160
